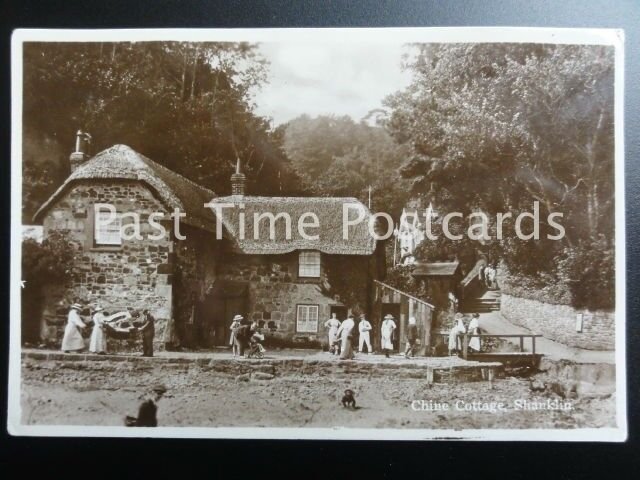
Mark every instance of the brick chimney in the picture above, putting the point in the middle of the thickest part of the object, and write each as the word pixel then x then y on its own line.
pixel 81 154
pixel 238 181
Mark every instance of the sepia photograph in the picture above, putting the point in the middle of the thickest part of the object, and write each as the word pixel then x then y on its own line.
pixel 402 233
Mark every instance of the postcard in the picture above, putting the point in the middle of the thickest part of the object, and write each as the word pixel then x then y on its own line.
pixel 384 234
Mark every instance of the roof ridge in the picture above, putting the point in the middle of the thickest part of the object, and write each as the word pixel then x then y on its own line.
pixel 146 160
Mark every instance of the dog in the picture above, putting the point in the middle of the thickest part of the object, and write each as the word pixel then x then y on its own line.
pixel 348 400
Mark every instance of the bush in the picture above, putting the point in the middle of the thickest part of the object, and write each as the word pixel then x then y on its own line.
pixel 400 277
pixel 584 278
pixel 543 288
pixel 589 271
pixel 46 263
pixel 43 264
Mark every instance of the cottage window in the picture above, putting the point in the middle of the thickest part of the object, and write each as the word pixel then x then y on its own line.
pixel 307 319
pixel 309 264
pixel 107 233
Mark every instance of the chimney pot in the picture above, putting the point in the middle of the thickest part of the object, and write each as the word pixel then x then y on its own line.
pixel 238 181
pixel 81 153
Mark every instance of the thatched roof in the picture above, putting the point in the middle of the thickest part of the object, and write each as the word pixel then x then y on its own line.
pixel 436 269
pixel 329 211
pixel 121 162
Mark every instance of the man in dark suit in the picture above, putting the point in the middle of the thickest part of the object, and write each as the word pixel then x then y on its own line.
pixel 148 330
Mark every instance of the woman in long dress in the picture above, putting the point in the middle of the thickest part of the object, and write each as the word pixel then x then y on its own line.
pixel 386 334
pixel 474 329
pixel 72 340
pixel 345 332
pixel 98 342
pixel 333 324
pixel 454 342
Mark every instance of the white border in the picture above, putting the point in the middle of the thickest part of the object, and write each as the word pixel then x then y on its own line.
pixel 610 37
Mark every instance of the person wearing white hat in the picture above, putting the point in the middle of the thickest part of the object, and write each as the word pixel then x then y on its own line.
pixel 233 341
pixel 72 340
pixel 98 342
pixel 386 333
pixel 458 328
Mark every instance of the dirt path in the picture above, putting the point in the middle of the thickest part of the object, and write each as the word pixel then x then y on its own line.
pixel 494 322
pixel 101 393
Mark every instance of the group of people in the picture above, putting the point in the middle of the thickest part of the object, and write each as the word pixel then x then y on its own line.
pixel 245 337
pixel 341 336
pixel 487 275
pixel 123 323
pixel 459 329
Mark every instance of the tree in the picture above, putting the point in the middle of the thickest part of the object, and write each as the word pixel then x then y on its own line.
pixel 42 264
pixel 335 156
pixel 187 106
pixel 498 127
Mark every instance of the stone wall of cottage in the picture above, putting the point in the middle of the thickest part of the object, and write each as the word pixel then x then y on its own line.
pixel 558 322
pixel 135 275
pixel 275 291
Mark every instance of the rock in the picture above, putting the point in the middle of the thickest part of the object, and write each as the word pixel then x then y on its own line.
pixel 270 369
pixel 263 376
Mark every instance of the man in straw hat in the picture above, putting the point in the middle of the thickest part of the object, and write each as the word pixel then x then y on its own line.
pixel 386 333
pixel 72 340
pixel 147 413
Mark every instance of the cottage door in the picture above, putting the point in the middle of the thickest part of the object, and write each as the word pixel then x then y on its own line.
pixel 225 301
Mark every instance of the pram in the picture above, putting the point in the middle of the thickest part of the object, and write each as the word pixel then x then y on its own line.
pixel 256 350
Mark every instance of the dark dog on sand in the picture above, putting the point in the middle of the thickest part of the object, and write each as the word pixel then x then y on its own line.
pixel 348 400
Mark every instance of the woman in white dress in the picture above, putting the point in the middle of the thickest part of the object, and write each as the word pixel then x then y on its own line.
pixel 72 340
pixel 98 342
pixel 474 329
pixel 345 332
pixel 386 334
pixel 454 342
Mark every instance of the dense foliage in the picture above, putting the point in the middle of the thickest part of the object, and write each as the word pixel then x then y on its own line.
pixel 43 264
pixel 48 262
pixel 498 127
pixel 335 156
pixel 187 106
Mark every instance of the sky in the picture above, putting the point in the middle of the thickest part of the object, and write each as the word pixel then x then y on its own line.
pixel 328 78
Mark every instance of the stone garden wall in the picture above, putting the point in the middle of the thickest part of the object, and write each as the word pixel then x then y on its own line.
pixel 558 322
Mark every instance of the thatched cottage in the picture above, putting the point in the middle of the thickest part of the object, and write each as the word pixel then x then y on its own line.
pixel 211 268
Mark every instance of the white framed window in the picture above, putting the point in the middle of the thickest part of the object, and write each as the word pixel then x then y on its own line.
pixel 309 264
pixel 307 319
pixel 107 233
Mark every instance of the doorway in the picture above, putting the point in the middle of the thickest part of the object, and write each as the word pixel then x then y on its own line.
pixel 225 300
pixel 340 311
